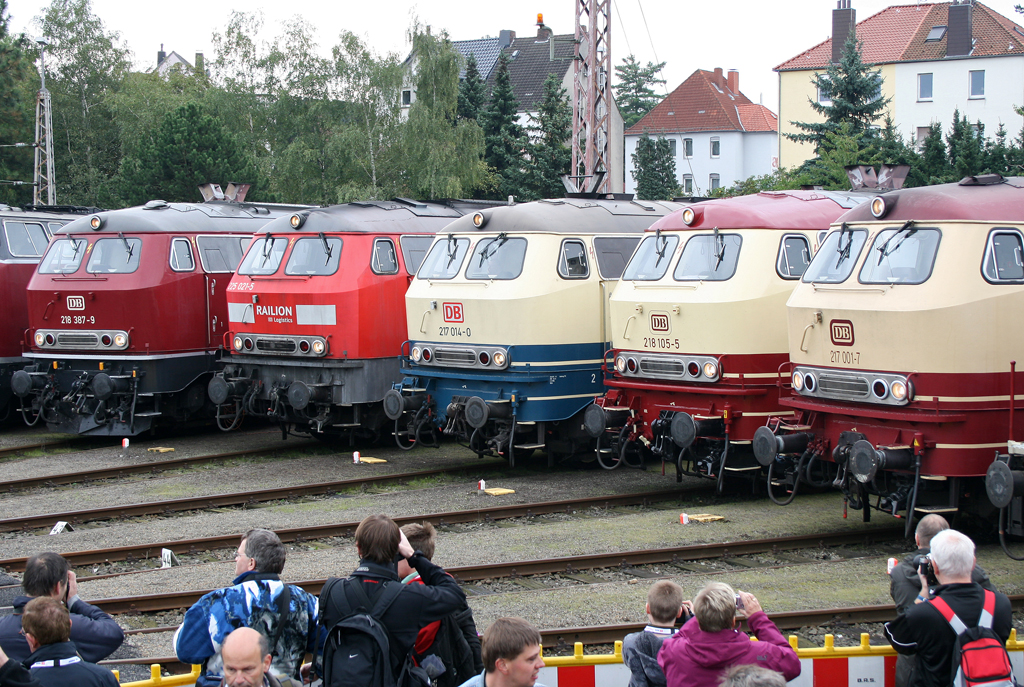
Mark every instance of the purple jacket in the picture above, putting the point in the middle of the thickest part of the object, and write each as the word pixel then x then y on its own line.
pixel 695 658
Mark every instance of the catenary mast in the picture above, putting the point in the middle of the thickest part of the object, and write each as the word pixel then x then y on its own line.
pixel 591 97
pixel 44 191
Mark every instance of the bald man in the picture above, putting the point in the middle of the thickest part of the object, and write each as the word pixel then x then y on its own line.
pixel 246 655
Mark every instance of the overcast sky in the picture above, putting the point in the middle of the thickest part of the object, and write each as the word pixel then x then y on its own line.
pixel 747 35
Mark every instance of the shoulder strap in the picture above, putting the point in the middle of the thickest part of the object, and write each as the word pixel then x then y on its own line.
pixel 988 610
pixel 942 607
pixel 284 611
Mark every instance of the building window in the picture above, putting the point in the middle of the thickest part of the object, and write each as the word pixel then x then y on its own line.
pixel 922 135
pixel 672 146
pixel 688 184
pixel 924 86
pixel 824 97
pixel 716 146
pixel 978 84
pixel 714 181
pixel 935 34
pixel 687 147
pixel 406 97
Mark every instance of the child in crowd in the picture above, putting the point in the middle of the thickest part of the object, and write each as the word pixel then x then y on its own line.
pixel 640 650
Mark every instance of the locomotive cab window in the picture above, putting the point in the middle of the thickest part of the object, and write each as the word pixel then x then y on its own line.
pixel 613 253
pixel 834 261
pixel 650 262
pixel 572 262
pixel 794 256
pixel 414 249
pixel 500 257
pixel 25 239
pixel 114 256
pixel 221 253
pixel 63 257
pixel 901 255
pixel 444 259
pixel 264 256
pixel 314 256
pixel 709 257
pixel 384 259
pixel 1004 261
pixel 181 256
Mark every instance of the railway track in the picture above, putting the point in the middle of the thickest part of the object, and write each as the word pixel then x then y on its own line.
pixel 23 448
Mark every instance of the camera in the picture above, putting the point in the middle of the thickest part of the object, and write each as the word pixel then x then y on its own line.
pixel 923 565
pixel 739 603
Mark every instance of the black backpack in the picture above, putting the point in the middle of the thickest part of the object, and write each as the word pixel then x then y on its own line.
pixel 450 645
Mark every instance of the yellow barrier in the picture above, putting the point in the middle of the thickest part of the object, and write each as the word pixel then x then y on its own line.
pixel 158 680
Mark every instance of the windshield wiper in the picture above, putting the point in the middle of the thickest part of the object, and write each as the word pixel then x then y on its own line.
pixel 719 248
pixel 268 248
pixel 491 248
pixel 844 251
pixel 453 250
pixel 664 246
pixel 127 246
pixel 884 251
pixel 327 249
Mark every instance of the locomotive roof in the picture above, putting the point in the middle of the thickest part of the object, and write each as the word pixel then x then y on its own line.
pixel 569 216
pixel 989 198
pixel 157 216
pixel 54 212
pixel 377 216
pixel 780 210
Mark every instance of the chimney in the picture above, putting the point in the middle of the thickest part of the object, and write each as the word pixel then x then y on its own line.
pixel 543 32
pixel 200 64
pixel 960 38
pixel 734 81
pixel 505 38
pixel 844 22
pixel 161 56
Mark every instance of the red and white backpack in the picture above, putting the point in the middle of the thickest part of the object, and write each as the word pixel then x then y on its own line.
pixel 979 656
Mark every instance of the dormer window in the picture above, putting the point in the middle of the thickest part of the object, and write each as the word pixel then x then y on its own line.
pixel 936 34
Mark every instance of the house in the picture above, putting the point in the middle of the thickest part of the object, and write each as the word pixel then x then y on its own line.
pixel 167 61
pixel 718 136
pixel 484 50
pixel 933 58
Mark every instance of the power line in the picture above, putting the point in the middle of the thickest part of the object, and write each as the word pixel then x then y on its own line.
pixel 622 25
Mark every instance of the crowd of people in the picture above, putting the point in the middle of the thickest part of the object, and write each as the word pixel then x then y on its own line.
pixel 400 620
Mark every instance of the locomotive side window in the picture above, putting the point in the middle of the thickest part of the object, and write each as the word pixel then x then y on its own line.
pixel 794 255
pixel 384 259
pixel 709 257
pixel 181 256
pixel 901 255
pixel 497 258
pixel 55 227
pixel 444 259
pixel 834 261
pixel 220 253
pixel 1003 260
pixel 315 256
pixel 25 239
pixel 650 262
pixel 572 262
pixel 264 256
pixel 613 253
pixel 414 249
pixel 63 257
pixel 114 256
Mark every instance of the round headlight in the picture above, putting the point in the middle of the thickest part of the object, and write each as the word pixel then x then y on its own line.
pixel 479 219
pixel 620 364
pixel 878 206
pixel 297 220
pixel 693 368
pixel 247 342
pixel 50 340
pixel 319 347
pixel 415 354
pixel 710 370
pixel 96 222
pixel 688 215
pixel 484 358
pixel 105 340
pixel 120 340
pixel 879 388
pixel 237 343
pixel 499 358
pixel 631 365
pixel 427 355
pixel 40 339
pixel 798 381
pixel 898 389
pixel 810 383
pixel 304 346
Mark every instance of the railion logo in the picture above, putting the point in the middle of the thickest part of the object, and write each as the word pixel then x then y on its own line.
pixel 76 302
pixel 452 312
pixel 660 322
pixel 842 332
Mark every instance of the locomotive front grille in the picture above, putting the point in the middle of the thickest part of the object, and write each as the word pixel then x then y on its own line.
pixel 844 387
pixel 454 356
pixel 662 368
pixel 275 345
pixel 86 340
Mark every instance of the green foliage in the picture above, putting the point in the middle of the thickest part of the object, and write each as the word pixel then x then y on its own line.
pixel 17 75
pixel 504 138
pixel 634 93
pixel 550 155
pixel 654 169
pixel 472 91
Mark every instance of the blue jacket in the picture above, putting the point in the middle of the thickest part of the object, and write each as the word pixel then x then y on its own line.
pixel 252 601
pixel 481 681
pixel 58 665
pixel 96 635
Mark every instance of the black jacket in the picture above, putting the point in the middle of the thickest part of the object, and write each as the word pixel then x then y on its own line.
pixel 905 584
pixel 923 631
pixel 95 633
pixel 13 674
pixel 416 606
pixel 45 665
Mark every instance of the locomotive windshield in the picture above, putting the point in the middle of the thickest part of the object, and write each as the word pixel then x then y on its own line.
pixel 25 239
pixel 497 258
pixel 650 263
pixel 709 257
pixel 612 254
pixel 834 261
pixel 264 256
pixel 314 256
pixel 114 256
pixel 901 256
pixel 63 257
pixel 445 258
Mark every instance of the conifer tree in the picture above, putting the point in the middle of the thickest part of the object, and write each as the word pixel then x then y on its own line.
pixel 472 91
pixel 503 135
pixel 964 146
pixel 549 154
pixel 634 93
pixel 933 156
pixel 15 112
pixel 654 169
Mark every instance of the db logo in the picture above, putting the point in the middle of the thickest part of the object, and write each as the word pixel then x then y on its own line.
pixel 842 332
pixel 452 312
pixel 660 322
pixel 76 303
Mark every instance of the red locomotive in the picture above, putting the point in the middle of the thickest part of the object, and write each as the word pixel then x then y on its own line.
pixel 127 310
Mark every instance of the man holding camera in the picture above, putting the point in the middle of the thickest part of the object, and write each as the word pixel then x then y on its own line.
pixel 923 631
pixel 95 634
pixel 911 579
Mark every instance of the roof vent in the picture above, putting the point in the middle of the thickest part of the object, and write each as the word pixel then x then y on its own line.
pixel 155 205
pixel 982 180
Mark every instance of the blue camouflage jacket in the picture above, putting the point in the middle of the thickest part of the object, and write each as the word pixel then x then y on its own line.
pixel 252 601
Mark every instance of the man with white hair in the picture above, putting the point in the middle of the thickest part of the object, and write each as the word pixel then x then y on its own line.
pixel 924 631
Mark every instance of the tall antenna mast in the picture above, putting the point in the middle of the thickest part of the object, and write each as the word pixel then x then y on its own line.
pixel 591 95
pixel 44 192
